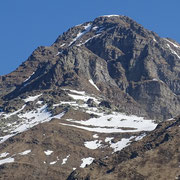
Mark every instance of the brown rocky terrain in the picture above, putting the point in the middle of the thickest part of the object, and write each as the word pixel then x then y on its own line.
pixel 156 156
pixel 102 86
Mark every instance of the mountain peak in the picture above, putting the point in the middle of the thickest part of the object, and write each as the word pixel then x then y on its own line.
pixel 93 97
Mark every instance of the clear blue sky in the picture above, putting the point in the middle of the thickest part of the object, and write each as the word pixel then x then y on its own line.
pixel 27 24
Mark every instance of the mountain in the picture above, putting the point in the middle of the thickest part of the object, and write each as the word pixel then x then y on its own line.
pixel 100 87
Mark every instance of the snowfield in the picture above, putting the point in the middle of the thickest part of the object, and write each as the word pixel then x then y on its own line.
pixel 48 152
pixel 86 161
pixel 28 120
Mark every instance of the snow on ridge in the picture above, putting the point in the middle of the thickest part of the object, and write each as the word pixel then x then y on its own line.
pixel 174 52
pixel 32 98
pixel 95 28
pixel 175 45
pixel 87 28
pixel 154 39
pixel 29 77
pixel 88 39
pixel 111 15
pixel 62 45
pixel 86 161
pixel 92 83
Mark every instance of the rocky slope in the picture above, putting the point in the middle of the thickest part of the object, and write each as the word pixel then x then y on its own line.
pixel 127 62
pixel 100 87
pixel 156 156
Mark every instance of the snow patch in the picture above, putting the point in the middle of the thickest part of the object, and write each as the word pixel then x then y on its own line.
pixel 48 152
pixel 53 162
pixel 171 119
pixel 58 53
pixel 3 155
pixel 154 39
pixel 65 159
pixel 175 45
pixel 25 152
pixel 99 31
pixel 14 113
pixel 109 139
pixel 32 98
pixel 39 102
pixel 95 136
pixel 88 39
pixel 29 120
pixel 99 129
pixel 86 161
pixel 7 160
pixel 83 97
pixel 174 52
pixel 59 116
pixel 93 144
pixel 115 122
pixel 29 77
pixel 62 45
pixel 95 28
pixel 138 138
pixel 80 34
pixel 92 83
pixel 118 146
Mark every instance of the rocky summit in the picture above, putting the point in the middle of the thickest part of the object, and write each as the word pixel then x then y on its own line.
pixel 102 102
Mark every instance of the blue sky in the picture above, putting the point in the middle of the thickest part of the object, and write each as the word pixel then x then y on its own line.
pixel 27 24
